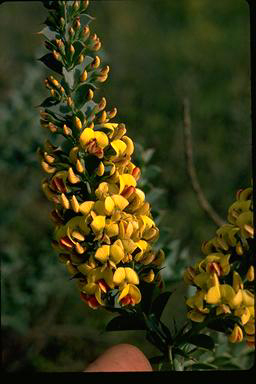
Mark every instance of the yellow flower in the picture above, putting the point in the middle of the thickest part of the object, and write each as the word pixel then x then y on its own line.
pixel 198 312
pixel 127 279
pixel 98 282
pixel 93 141
pixel 215 262
pixel 112 254
pixel 237 335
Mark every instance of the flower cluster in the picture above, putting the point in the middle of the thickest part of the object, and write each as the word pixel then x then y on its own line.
pixel 224 279
pixel 104 230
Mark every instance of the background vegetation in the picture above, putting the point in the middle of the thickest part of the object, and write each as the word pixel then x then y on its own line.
pixel 159 52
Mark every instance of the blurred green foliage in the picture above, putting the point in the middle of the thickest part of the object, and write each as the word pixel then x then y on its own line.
pixel 159 52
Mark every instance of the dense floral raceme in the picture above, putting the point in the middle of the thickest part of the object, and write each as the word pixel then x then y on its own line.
pixel 224 279
pixel 104 230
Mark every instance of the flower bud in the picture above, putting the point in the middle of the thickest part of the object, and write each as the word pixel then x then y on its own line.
pixel 76 5
pixel 83 76
pixel 95 63
pixel 69 101
pixel 79 166
pixel 50 159
pixel 90 94
pixel 102 78
pixel 64 201
pixel 97 46
pixel 250 273
pixel 66 130
pixel 72 177
pixel 74 204
pixel 105 70
pixel 102 104
pixel 78 123
pixel 52 127
pixel 100 169
pixel 149 277
pixel 62 22
pixel 85 32
pixel 73 154
pixel 71 32
pixel 77 24
pixel 136 173
pixel 47 168
pixel 79 249
pixel 112 113
pixel 56 55
pixel 85 4
pixel 102 118
pixel 71 50
pixel 80 58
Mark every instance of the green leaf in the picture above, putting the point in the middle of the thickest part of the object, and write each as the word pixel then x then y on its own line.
pixel 126 323
pixel 201 340
pixel 51 63
pixel 69 77
pixel 79 47
pixel 80 96
pixel 50 101
pixel 199 366
pixel 48 33
pixel 85 18
pixel 159 303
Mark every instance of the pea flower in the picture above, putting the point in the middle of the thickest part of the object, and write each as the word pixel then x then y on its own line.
pixel 224 278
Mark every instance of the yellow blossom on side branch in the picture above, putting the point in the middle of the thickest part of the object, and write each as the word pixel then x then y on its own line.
pixel 224 279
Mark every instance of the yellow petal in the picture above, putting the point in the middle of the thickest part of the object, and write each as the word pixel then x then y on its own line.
pixel 102 253
pixel 196 316
pixel 108 277
pixel 243 313
pixel 102 190
pixel 135 293
pixel 101 138
pixel 109 205
pixel 213 295
pixel 99 208
pixel 201 279
pixel 129 245
pixel 111 229
pixel 237 300
pixel 131 276
pixel 119 276
pixel 90 288
pixel 129 145
pixel 98 223
pixel 236 335
pixel 227 293
pixel 120 202
pixel 126 180
pixel 119 146
pixel 248 298
pixel 86 136
pixel 86 207
pixel 124 292
pixel 116 253
pixel 98 296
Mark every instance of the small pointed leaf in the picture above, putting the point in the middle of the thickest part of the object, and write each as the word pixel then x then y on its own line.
pixel 201 340
pixel 159 303
pixel 125 323
pixel 51 63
